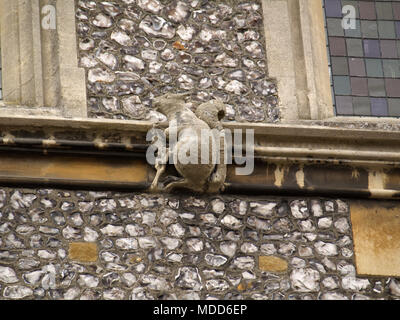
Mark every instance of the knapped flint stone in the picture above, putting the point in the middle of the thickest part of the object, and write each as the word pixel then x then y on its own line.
pixel 147 242
pixel 17 292
pixel 283 225
pixel 208 218
pixel 326 249
pixel 86 44
pixel 90 294
pixel 12 241
pixel 243 263
pixel 259 224
pixel 329 206
pixel 7 275
pixel 324 223
pixel 306 226
pixel 231 222
pixel 112 230
pixel 178 11
pixel 239 207
pixel 342 206
pixel 102 21
pixel 251 113
pixel 88 280
pixel 330 283
pixel 344 241
pixel 76 219
pixel 110 279
pixel 228 248
pixel 394 287
pixel 127 25
pixel 215 260
pixel 346 252
pixel 217 285
pixel 298 263
pixel 255 49
pixel 71 233
pixel 176 230
pixel 188 278
pixel 112 9
pixel 121 37
pixel 195 245
pixel 263 209
pixel 100 75
pixel 155 283
pixel 127 243
pixel 299 209
pixel 248 247
pixel 226 61
pixel 148 218
pixel 58 218
pixel 19 200
pixel 33 277
pixel 114 294
pixel 157 26
pixel 46 254
pixel 153 6
pixel 149 54
pixel 134 107
pixel 134 63
pixel 205 83
pixel 4 228
pixel 346 268
pixel 342 225
pixel 108 59
pixel 218 206
pixel 186 33
pixel 355 284
pixel 305 280
pixel 72 293
pixel 287 249
pixel 129 279
pixel 140 293
pixel 268 249
pixel 333 296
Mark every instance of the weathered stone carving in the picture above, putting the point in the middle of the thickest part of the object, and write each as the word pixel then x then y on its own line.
pixel 193 132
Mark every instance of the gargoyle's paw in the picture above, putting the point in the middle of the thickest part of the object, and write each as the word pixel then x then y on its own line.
pixel 153 188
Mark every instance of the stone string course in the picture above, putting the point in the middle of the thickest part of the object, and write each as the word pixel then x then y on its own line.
pixel 134 50
pixel 105 245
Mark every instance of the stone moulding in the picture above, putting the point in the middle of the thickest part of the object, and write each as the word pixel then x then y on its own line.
pixel 289 159
pixel 297 57
pixel 40 66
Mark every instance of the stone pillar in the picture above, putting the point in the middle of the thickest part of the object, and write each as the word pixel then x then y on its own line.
pixel 40 65
pixel 297 57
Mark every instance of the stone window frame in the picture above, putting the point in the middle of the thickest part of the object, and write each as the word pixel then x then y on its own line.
pixel 41 76
pixel 297 58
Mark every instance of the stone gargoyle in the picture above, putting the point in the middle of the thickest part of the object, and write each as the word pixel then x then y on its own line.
pixel 191 132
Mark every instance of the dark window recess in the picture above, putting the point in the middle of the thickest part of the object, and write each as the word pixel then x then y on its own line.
pixel 364 62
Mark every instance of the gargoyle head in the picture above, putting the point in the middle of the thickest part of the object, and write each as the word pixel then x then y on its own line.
pixel 212 112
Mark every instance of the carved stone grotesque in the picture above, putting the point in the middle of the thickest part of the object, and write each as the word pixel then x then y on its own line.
pixel 200 171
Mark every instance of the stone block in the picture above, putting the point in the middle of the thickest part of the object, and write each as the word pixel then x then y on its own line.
pixel 272 264
pixel 83 251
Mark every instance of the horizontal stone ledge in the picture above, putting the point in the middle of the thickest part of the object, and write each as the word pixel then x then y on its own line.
pixel 296 129
pixel 273 142
pixel 77 171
